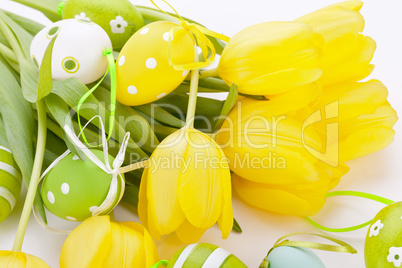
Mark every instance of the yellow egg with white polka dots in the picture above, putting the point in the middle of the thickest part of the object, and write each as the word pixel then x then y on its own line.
pixel 142 68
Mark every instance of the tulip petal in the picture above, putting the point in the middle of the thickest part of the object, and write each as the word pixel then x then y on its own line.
pixel 151 253
pixel 305 201
pixel 280 82
pixel 128 248
pixel 200 190
pixel 163 176
pixel 189 234
pixel 272 58
pixel 334 22
pixel 143 200
pixel 95 231
pixel 352 5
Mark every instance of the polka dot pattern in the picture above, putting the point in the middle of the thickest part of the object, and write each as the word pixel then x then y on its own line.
pixel 151 63
pixel 50 197
pixel 132 90
pixel 146 74
pixel 165 36
pixel 122 60
pixel 144 31
pixel 65 188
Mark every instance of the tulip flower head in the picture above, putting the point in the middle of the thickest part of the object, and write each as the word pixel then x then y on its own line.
pixel 347 53
pixel 270 153
pixel 272 58
pixel 186 188
pixel 365 117
pixel 99 242
pixel 17 259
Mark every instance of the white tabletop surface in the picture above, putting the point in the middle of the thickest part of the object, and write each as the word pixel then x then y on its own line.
pixel 379 173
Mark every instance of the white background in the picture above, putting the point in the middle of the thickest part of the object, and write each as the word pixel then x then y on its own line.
pixel 379 173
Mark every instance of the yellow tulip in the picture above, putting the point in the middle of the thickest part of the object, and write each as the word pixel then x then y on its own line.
pixel 365 117
pixel 347 53
pixel 99 242
pixel 15 259
pixel 270 150
pixel 186 188
pixel 296 199
pixel 272 58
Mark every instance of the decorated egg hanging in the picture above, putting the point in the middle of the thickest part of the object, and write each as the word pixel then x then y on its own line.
pixel 119 18
pixel 284 256
pixel 10 182
pixel 204 255
pixel 143 70
pixel 383 246
pixel 77 51
pixel 74 189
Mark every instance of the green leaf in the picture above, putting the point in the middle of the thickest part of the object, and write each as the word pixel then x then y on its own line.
pixel 3 135
pixel 236 226
pixel 138 126
pixel 228 105
pixel 155 111
pixel 47 7
pixel 24 37
pixel 45 84
pixel 71 90
pixel 29 80
pixel 60 112
pixel 19 123
pixel 30 26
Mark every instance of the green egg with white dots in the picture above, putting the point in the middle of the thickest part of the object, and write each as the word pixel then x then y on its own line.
pixel 119 18
pixel 73 189
pixel 383 247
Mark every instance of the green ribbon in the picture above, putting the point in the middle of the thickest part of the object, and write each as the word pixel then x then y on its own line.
pixel 356 194
pixel 342 248
pixel 112 68
pixel 159 263
pixel 60 8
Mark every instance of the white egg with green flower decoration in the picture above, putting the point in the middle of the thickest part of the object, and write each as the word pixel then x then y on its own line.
pixel 75 54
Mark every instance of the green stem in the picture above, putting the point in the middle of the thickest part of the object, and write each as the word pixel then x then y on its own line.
pixel 192 101
pixel 7 52
pixel 12 40
pixel 209 73
pixel 33 185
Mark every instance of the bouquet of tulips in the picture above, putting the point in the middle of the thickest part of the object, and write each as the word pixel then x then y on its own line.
pixel 294 113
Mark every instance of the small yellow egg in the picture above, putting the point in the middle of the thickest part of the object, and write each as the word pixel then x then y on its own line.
pixel 143 70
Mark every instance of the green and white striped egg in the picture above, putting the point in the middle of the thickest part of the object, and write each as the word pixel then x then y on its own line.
pixel 203 255
pixel 10 182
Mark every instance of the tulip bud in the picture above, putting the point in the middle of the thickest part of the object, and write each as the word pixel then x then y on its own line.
pixel 186 188
pixel 99 242
pixel 16 259
pixel 347 53
pixel 280 164
pixel 365 117
pixel 272 58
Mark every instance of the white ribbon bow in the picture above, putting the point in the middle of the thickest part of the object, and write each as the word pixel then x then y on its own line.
pixel 115 170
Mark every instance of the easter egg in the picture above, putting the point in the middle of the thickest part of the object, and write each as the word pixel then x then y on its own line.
pixel 77 51
pixel 291 257
pixel 10 182
pixel 383 246
pixel 142 69
pixel 204 255
pixel 73 189
pixel 119 18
